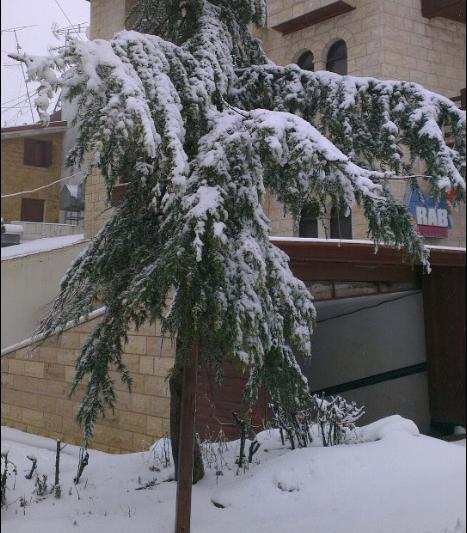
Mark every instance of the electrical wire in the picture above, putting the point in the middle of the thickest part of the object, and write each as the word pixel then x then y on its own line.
pixel 360 309
pixel 66 16
pixel 16 98
pixel 40 188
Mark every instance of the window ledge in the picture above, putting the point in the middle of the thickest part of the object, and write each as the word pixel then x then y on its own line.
pixel 324 12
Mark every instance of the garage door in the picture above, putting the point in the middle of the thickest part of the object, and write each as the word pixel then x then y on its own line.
pixel 371 349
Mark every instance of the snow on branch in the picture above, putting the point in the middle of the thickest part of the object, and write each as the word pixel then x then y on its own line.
pixel 200 124
pixel 368 119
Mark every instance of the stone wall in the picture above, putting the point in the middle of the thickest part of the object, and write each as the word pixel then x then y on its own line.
pixel 280 11
pixel 96 209
pixel 426 51
pixel 107 17
pixel 361 28
pixel 36 380
pixel 16 176
pixel 389 39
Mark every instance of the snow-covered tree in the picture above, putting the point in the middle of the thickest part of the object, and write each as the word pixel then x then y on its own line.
pixel 189 109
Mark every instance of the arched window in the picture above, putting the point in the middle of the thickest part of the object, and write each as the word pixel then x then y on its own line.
pixel 307 61
pixel 308 226
pixel 341 226
pixel 337 58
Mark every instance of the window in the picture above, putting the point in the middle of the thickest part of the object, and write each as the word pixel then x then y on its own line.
pixel 32 210
pixel 341 226
pixel 307 61
pixel 337 58
pixel 37 153
pixel 308 226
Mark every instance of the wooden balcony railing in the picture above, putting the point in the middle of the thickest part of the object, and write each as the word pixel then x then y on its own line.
pixel 450 9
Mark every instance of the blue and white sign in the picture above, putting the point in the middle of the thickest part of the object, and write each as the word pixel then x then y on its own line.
pixel 432 218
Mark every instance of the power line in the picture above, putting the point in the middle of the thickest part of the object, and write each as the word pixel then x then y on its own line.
pixel 379 304
pixel 14 107
pixel 40 188
pixel 16 99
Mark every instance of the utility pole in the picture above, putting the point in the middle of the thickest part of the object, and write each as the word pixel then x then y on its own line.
pixel 187 442
pixel 19 49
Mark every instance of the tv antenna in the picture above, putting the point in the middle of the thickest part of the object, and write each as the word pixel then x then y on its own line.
pixel 74 29
pixel 17 28
pixel 20 50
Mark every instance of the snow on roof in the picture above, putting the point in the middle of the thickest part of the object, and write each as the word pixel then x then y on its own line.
pixel 40 245
pixel 356 241
pixel 73 189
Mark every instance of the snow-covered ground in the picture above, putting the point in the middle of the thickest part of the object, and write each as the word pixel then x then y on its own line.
pixel 393 481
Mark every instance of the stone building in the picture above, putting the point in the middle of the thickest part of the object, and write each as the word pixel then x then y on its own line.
pixel 422 41
pixel 32 157
pixel 409 367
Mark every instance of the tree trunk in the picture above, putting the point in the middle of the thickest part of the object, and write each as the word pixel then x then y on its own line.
pixel 187 440
pixel 176 386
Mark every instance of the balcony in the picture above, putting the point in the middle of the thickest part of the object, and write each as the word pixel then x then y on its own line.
pixel 449 9
pixel 461 99
pixel 305 13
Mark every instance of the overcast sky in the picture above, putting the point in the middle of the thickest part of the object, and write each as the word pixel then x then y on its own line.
pixel 42 15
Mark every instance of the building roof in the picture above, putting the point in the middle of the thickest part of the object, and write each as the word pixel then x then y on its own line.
pixel 29 130
pixel 361 251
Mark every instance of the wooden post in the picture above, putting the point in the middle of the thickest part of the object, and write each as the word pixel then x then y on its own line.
pixel 186 443
pixel 57 464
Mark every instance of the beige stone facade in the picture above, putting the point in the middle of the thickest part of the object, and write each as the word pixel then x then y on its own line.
pixel 36 381
pixel 18 176
pixel 388 39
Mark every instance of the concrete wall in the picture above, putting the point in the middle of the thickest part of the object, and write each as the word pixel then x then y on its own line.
pixel 29 285
pixel 36 381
